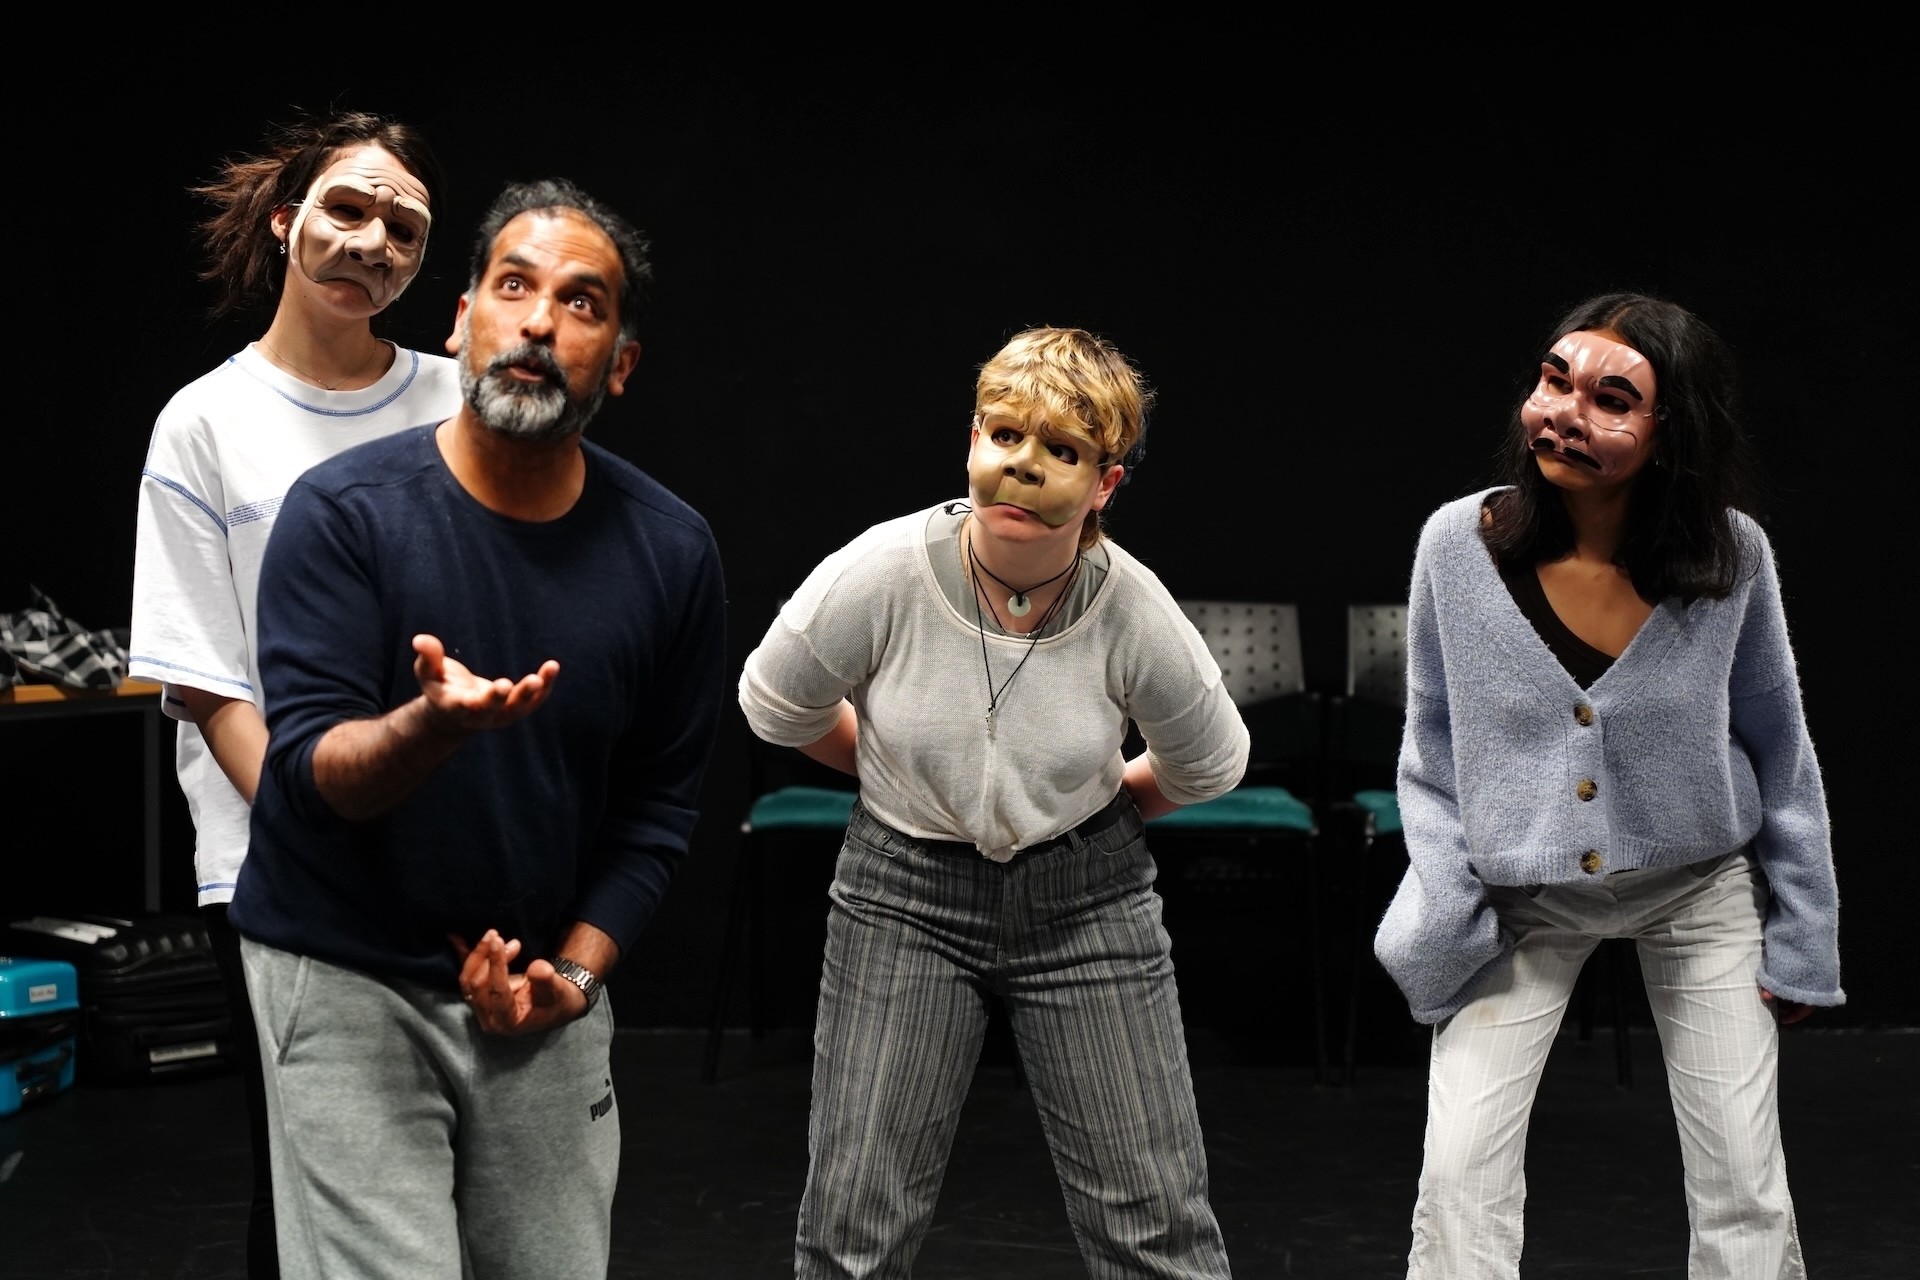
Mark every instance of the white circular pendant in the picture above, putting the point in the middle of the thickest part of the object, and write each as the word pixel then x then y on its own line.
pixel 1019 606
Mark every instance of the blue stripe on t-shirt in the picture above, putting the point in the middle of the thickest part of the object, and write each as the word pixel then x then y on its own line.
pixel 186 493
pixel 204 675
pixel 412 372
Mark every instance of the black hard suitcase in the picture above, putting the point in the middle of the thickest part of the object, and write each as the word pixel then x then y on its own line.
pixel 151 1000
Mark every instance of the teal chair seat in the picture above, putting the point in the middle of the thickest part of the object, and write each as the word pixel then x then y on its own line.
pixel 810 818
pixel 1248 808
pixel 1383 807
pixel 800 808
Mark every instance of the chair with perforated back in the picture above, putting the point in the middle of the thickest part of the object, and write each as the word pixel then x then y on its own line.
pixel 1257 647
pixel 1363 746
pixel 792 797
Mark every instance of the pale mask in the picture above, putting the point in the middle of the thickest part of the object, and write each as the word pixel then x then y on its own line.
pixel 1595 406
pixel 365 219
pixel 1041 468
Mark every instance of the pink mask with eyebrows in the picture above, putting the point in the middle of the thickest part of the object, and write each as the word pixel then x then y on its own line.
pixel 1594 407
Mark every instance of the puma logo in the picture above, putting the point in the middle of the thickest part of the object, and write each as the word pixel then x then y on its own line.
pixel 601 1107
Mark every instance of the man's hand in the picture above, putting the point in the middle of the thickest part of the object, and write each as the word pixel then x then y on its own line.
pixel 460 701
pixel 513 1004
pixel 362 768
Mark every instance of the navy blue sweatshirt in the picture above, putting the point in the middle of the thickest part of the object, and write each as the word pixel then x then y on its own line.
pixel 582 810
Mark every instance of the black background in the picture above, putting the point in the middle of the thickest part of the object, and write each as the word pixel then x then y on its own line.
pixel 1334 263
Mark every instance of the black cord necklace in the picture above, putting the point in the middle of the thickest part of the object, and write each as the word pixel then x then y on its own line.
pixel 1018 604
pixel 980 623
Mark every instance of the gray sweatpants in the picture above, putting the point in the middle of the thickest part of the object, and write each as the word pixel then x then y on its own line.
pixel 409 1144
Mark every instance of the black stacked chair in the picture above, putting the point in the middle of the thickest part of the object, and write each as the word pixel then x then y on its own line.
pixel 1363 747
pixel 796 803
pixel 1266 829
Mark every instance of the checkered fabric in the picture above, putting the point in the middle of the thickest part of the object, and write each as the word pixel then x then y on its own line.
pixel 41 645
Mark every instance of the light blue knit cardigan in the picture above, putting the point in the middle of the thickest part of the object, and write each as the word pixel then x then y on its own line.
pixel 1696 745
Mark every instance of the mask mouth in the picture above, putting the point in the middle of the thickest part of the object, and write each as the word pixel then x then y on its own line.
pixel 1544 445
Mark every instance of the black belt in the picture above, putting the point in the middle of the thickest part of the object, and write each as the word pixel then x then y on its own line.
pixel 1116 809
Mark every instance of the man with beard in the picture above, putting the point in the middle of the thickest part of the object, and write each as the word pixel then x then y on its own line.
pixel 492 655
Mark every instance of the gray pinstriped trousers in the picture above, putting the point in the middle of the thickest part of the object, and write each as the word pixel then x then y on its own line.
pixel 1697 932
pixel 918 938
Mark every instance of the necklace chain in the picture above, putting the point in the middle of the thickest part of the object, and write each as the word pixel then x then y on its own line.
pixel 980 623
pixel 379 349
pixel 1017 604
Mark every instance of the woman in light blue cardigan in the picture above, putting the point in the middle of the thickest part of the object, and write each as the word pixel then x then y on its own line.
pixel 1604 738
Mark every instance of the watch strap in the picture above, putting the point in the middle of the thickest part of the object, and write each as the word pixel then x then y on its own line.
pixel 580 976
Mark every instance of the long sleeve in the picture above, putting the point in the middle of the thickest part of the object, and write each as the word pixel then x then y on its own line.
pixel 791 694
pixel 1197 741
pixel 1440 933
pixel 788 694
pixel 1794 843
pixel 324 653
pixel 652 807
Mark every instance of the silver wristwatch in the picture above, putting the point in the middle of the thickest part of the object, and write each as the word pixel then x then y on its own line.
pixel 580 976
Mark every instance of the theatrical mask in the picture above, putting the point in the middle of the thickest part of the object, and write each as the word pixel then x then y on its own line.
pixel 1037 466
pixel 365 219
pixel 1595 405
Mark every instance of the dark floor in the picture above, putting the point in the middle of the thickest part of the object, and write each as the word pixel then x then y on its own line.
pixel 139 1183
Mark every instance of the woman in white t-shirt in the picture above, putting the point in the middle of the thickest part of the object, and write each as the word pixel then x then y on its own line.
pixel 325 226
pixel 976 665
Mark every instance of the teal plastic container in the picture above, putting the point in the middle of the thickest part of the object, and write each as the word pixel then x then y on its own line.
pixel 39 1023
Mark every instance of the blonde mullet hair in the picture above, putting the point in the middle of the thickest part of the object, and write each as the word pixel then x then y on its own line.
pixel 1074 379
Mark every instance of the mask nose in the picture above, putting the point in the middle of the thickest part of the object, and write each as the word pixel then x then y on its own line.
pixel 370 247
pixel 1568 423
pixel 1023 462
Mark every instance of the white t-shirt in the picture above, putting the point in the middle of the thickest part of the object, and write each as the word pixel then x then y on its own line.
pixel 872 624
pixel 225 450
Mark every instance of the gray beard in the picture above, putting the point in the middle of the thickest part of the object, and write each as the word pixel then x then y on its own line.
pixel 528 411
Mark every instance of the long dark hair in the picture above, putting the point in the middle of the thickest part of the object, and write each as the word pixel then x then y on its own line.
pixel 1680 538
pixel 242 256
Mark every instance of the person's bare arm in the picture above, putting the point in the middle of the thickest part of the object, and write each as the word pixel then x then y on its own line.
pixel 836 748
pixel 235 733
pixel 362 768
pixel 1138 781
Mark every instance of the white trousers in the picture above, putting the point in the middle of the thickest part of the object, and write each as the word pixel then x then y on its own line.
pixel 1697 930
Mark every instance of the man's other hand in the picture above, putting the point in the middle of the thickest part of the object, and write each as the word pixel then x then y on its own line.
pixel 512 1004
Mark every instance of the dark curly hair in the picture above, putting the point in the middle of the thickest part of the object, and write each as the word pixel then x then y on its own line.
pixel 552 195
